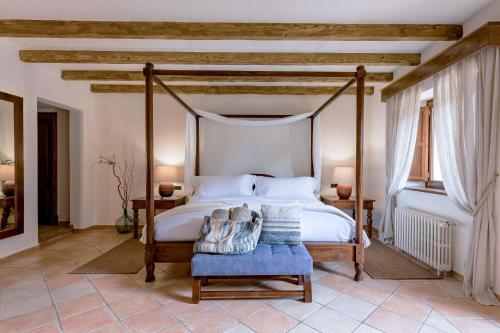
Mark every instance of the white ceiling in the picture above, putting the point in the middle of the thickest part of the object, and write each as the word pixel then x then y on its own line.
pixel 326 11
pixel 338 11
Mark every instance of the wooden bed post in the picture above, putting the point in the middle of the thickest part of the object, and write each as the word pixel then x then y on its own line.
pixel 360 249
pixel 149 253
pixel 197 159
pixel 312 146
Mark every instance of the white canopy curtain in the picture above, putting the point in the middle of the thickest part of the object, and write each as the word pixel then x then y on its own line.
pixel 190 158
pixel 465 116
pixel 403 111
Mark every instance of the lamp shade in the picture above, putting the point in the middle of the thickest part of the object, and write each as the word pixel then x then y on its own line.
pixel 343 175
pixel 167 173
pixel 7 172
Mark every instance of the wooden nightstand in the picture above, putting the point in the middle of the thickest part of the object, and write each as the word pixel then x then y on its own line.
pixel 350 204
pixel 160 204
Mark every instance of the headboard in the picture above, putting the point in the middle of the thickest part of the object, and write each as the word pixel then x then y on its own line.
pixel 262 175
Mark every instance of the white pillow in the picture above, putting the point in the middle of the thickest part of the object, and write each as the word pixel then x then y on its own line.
pixel 298 187
pixel 223 185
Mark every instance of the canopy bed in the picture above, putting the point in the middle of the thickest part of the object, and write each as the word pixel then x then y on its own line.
pixel 161 246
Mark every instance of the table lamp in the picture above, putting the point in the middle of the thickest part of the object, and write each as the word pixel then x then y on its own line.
pixel 343 177
pixel 7 173
pixel 166 175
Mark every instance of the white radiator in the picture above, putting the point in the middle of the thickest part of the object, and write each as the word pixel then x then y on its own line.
pixel 424 236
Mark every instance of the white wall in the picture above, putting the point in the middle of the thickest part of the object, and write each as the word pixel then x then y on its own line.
pixel 43 81
pixel 63 158
pixel 122 115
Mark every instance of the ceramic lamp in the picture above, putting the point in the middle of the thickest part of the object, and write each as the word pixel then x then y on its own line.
pixel 165 175
pixel 7 174
pixel 343 177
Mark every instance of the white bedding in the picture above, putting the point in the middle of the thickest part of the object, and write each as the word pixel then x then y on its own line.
pixel 319 222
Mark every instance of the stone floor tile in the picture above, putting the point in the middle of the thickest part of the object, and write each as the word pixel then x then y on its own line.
pixel 79 305
pixel 328 320
pixel 351 306
pixel 241 309
pixel 270 320
pixel 152 320
pixel 408 307
pixel 210 321
pixel 392 322
pixel 88 321
pixel 297 309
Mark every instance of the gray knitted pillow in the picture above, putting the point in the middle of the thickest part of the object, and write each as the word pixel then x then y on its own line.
pixel 280 225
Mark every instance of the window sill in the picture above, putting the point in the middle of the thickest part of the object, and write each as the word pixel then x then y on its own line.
pixel 426 190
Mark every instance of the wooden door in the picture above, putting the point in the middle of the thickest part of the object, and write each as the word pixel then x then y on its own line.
pixel 47 168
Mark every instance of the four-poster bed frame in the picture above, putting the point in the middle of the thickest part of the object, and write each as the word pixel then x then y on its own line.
pixel 320 251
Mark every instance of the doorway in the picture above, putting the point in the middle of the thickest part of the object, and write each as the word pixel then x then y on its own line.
pixel 47 168
pixel 53 172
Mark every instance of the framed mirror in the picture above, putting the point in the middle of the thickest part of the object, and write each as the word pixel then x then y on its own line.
pixel 11 166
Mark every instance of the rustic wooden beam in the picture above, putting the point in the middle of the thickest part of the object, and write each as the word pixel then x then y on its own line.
pixel 219 58
pixel 229 31
pixel 91 75
pixel 487 35
pixel 220 90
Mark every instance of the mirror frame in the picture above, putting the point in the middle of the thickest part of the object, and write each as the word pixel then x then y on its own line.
pixel 19 166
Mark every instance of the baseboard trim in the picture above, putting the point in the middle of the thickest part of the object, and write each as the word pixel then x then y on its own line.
pixel 457 276
pixel 95 227
pixel 20 253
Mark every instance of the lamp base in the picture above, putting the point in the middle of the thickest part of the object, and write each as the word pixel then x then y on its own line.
pixel 8 188
pixel 166 189
pixel 344 191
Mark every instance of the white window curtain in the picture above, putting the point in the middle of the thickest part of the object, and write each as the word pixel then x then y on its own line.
pixel 190 154
pixel 402 115
pixel 465 116
pixel 316 151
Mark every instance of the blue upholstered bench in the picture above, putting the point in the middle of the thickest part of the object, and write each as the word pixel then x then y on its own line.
pixel 265 262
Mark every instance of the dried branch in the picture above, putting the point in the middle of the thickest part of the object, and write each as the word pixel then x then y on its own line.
pixel 123 170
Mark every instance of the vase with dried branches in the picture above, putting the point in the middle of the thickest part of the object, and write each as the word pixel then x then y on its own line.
pixel 123 170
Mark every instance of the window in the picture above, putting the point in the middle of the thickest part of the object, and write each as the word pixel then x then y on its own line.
pixel 425 165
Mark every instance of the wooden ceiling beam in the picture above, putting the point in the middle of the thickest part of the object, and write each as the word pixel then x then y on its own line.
pixel 487 35
pixel 229 31
pixel 91 75
pixel 219 58
pixel 231 90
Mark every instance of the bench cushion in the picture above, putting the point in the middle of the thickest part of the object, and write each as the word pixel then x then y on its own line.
pixel 264 260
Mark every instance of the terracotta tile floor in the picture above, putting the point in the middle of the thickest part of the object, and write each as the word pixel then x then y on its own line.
pixel 37 295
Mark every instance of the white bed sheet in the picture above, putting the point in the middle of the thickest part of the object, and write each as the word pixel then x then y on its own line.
pixel 319 222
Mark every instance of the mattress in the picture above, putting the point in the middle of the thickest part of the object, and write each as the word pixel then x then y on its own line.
pixel 319 222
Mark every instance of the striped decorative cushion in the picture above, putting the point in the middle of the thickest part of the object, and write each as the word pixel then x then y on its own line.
pixel 280 225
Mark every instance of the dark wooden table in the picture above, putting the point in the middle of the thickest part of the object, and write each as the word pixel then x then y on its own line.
pixel 351 204
pixel 6 203
pixel 160 204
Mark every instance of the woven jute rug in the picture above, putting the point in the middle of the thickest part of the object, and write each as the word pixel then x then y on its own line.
pixel 126 258
pixel 383 262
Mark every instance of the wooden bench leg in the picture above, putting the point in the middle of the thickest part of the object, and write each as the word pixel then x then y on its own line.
pixel 196 289
pixel 307 288
pixel 204 281
pixel 300 280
